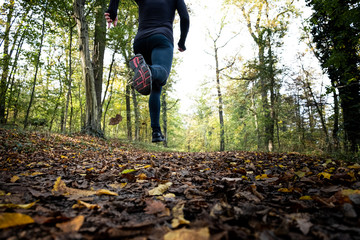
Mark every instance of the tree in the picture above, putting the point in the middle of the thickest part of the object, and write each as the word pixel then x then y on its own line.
pixel 93 119
pixel 267 24
pixel 218 71
pixel 335 29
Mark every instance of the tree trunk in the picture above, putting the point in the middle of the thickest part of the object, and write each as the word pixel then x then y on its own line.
pixel 98 53
pixel 5 62
pixel 164 116
pixel 128 112
pixel 220 106
pixel 92 125
pixel 68 94
pixel 36 67
pixel 137 115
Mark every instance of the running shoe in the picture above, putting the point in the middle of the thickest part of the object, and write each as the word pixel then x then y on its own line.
pixel 157 136
pixel 142 75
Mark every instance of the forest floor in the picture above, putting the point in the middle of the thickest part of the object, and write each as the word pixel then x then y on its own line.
pixel 55 186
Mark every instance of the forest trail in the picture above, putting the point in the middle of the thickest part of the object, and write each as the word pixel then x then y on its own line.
pixel 54 186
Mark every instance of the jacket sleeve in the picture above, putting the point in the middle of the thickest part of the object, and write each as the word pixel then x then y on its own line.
pixel 112 9
pixel 184 22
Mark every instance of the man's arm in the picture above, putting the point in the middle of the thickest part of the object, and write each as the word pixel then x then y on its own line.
pixel 184 23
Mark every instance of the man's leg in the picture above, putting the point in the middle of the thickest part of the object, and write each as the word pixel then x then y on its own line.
pixel 161 58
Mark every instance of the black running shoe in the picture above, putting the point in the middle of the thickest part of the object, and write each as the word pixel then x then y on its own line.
pixel 158 137
pixel 142 75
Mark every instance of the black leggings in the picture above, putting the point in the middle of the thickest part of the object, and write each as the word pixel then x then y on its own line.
pixel 158 54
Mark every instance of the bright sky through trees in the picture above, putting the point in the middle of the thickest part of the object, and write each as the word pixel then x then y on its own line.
pixel 197 65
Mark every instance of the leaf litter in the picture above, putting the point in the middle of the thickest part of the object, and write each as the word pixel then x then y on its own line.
pixel 60 187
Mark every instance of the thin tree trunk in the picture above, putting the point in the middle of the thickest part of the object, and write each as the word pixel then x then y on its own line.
pixel 164 116
pixel 220 106
pixel 128 112
pixel 68 94
pixel 36 67
pixel 137 115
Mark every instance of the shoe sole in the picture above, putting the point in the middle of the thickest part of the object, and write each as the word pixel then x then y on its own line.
pixel 142 75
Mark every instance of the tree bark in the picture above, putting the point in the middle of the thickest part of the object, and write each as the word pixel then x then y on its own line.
pixel 92 124
pixel 36 67
pixel 5 62
pixel 164 116
pixel 128 112
pixel 137 114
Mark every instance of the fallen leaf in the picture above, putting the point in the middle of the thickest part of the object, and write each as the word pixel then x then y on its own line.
pixel 178 215
pixel 81 204
pixel 305 198
pixel 14 219
pixel 106 192
pixel 14 179
pixel 159 190
pixel 73 225
pixel 188 234
pixel 118 185
pixel 325 175
pixel 22 206
pixel 154 207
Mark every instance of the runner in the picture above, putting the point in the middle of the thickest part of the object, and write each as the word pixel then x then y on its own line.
pixel 153 46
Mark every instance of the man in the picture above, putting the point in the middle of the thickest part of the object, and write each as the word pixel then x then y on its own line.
pixel 153 46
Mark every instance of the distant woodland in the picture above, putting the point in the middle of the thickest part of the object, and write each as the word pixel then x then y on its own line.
pixel 62 70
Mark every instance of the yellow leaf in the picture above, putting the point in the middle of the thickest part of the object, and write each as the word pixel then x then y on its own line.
pixel 2 193
pixel 106 192
pixel 300 174
pixel 305 198
pixel 73 225
pixel 285 190
pixel 188 234
pixel 63 156
pixel 352 175
pixel 14 179
pixel 348 192
pixel 178 215
pixel 325 175
pixel 262 176
pixel 355 166
pixel 14 219
pixel 90 169
pixel 23 206
pixel 81 204
pixel 128 171
pixel 159 190
pixel 118 185
pixel 36 173
pixel 169 195
pixel 142 176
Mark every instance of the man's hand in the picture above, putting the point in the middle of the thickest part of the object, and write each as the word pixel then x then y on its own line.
pixel 109 20
pixel 180 49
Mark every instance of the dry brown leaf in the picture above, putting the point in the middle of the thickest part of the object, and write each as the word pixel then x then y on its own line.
pixel 14 219
pixel 188 234
pixel 155 207
pixel 73 225
pixel 159 190
pixel 106 192
pixel 61 188
pixel 81 204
